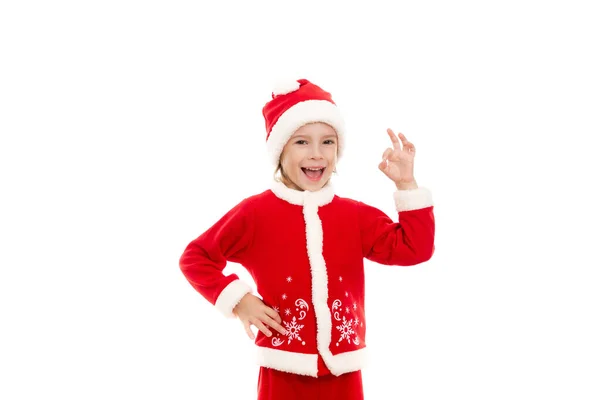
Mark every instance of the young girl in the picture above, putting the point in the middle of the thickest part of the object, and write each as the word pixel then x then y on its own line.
pixel 304 247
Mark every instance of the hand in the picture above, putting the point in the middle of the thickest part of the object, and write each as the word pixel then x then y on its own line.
pixel 251 310
pixel 398 163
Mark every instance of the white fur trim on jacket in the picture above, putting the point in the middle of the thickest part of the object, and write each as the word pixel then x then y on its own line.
pixel 297 197
pixel 307 364
pixel 413 199
pixel 301 114
pixel 231 296
pixel 287 361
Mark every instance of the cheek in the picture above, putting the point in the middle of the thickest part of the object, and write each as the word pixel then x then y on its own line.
pixel 289 164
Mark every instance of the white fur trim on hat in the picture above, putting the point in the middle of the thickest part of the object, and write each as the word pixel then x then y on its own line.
pixel 301 114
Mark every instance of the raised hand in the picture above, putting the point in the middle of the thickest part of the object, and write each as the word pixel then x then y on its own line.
pixel 252 311
pixel 398 162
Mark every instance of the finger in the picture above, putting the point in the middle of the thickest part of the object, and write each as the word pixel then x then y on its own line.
pixel 261 327
pixel 383 165
pixel 395 140
pixel 275 325
pixel 403 139
pixel 248 330
pixel 386 154
pixel 273 314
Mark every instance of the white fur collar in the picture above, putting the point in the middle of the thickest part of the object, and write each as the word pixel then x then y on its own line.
pixel 299 198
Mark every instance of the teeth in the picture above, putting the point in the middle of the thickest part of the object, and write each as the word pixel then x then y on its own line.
pixel 314 169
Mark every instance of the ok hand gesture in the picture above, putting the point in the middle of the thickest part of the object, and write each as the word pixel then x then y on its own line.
pixel 398 163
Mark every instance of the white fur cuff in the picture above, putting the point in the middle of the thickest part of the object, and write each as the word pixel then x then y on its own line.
pixel 413 199
pixel 231 296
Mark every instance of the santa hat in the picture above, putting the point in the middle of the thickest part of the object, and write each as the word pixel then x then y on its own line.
pixel 294 104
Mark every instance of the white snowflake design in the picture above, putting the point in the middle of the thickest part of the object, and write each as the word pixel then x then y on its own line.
pixel 345 329
pixel 293 330
pixel 292 327
pixel 347 326
pixel 288 279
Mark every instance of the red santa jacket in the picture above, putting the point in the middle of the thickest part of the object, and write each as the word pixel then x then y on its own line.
pixel 305 252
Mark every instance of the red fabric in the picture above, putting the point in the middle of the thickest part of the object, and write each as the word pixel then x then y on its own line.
pixel 277 385
pixel 280 104
pixel 267 235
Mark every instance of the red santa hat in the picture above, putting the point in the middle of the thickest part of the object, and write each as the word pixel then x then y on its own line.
pixel 294 104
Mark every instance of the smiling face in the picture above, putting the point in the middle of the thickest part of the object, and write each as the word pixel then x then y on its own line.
pixel 309 157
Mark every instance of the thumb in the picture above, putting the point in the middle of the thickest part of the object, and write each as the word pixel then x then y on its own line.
pixel 383 165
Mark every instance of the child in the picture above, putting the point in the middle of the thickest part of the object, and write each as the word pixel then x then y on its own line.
pixel 304 247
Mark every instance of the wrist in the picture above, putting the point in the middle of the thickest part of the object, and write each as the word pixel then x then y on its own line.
pixel 407 185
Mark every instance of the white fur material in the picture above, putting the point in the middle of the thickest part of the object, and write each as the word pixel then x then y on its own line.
pixel 301 114
pixel 285 87
pixel 296 197
pixel 287 361
pixel 349 362
pixel 413 199
pixel 231 296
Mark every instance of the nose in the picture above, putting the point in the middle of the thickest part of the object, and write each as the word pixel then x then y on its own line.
pixel 315 153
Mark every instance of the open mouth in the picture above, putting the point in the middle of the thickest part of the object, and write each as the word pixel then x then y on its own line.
pixel 314 174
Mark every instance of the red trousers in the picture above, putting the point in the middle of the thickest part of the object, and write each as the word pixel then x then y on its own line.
pixel 277 385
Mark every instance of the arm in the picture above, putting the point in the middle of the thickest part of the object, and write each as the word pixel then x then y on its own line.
pixel 204 259
pixel 410 241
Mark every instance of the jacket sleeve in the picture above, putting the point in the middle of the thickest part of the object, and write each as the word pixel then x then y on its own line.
pixel 409 241
pixel 204 259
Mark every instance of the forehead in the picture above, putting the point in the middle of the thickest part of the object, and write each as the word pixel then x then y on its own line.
pixel 315 129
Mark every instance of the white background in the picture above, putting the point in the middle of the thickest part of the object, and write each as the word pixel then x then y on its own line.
pixel 128 128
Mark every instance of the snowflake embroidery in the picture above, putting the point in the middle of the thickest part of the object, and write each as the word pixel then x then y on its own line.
pixel 347 326
pixel 289 279
pixel 276 309
pixel 341 279
pixel 345 329
pixel 293 330
pixel 293 327
pixel 346 294
pixel 284 296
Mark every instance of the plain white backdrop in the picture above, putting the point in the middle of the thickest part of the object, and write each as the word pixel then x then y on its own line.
pixel 129 127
